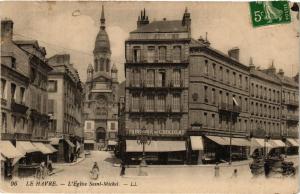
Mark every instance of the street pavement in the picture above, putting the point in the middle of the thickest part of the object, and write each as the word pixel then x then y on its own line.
pixel 160 179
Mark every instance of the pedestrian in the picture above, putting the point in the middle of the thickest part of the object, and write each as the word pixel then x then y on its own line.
pixel 267 168
pixel 234 175
pixel 122 169
pixel 217 170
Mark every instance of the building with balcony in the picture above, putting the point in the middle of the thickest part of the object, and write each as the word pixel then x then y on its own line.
pixel 101 95
pixel 24 118
pixel 156 90
pixel 218 102
pixel 65 107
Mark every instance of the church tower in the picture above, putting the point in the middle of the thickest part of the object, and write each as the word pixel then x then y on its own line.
pixel 102 52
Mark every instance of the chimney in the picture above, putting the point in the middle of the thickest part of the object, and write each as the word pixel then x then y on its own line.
pixel 142 19
pixel 296 78
pixel 281 72
pixel 234 53
pixel 7 29
pixel 251 65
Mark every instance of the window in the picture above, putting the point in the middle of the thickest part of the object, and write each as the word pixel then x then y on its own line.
pixel 214 70
pixel 13 91
pixel 136 123
pixel 136 54
pixel 3 88
pixel 161 103
pixel 246 104
pixel 176 77
pixel 175 124
pixel 112 126
pixel 50 106
pixel 52 86
pixel 150 124
pixel 32 74
pixel 240 81
pixel 13 63
pixel 176 103
pixel 256 91
pixel 150 103
pixel 135 102
pixel 234 78
pixel 162 53
pixel 107 65
pixel 221 73
pixel 96 64
pixel 151 54
pixel 176 54
pixel 213 121
pixel 246 82
pixel 227 76
pixel 136 77
pixel 150 77
pixel 206 67
pixel 220 97
pixel 101 64
pixel 161 78
pixel 161 124
pixel 241 102
pixel 227 98
pixel 220 121
pixel 205 94
pixel 4 122
pixel 13 122
pixel 205 119
pixel 213 95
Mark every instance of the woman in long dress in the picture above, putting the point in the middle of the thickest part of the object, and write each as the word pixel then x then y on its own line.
pixel 272 13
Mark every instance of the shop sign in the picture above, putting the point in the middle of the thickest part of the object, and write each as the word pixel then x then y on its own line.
pixel 156 132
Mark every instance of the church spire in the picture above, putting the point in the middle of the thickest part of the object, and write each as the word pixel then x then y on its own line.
pixel 102 19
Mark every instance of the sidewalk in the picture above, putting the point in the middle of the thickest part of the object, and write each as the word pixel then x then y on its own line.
pixel 69 164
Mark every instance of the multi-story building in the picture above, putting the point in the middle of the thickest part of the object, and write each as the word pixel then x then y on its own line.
pixel 24 119
pixel 101 95
pixel 156 90
pixel 218 101
pixel 65 100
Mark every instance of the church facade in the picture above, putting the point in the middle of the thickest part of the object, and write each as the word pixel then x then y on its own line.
pixel 101 95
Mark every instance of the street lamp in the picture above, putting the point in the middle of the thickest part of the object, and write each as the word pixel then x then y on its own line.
pixel 143 139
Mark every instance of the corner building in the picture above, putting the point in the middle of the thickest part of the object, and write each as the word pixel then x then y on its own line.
pixel 156 71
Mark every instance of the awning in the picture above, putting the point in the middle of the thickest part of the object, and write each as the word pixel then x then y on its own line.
pixel 42 148
pixel 258 142
pixel 26 147
pixel 2 158
pixel 112 142
pixel 51 147
pixel 219 140
pixel 89 141
pixel 9 151
pixel 196 142
pixel 156 146
pixel 70 143
pixel 240 142
pixel 54 140
pixel 293 142
pixel 277 143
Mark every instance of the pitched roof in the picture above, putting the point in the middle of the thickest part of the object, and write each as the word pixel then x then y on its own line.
pixel 287 80
pixel 265 76
pixel 162 26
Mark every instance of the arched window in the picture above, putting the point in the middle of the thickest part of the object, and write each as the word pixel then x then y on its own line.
pixel 101 64
pixel 107 65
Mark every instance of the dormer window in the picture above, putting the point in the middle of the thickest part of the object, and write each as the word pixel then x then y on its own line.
pixel 136 54
pixel 13 63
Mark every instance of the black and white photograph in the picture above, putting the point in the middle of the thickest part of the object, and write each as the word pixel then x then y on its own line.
pixel 150 97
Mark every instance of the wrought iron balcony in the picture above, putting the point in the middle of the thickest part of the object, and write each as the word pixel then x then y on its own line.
pixel 18 107
pixel 229 108
pixel 292 117
pixel 292 103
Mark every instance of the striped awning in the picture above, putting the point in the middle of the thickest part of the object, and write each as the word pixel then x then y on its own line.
pixel 26 147
pixel 9 151
pixel 51 147
pixel 156 146
pixel 258 142
pixel 219 140
pixel 277 143
pixel 292 142
pixel 55 140
pixel 42 148
pixel 196 142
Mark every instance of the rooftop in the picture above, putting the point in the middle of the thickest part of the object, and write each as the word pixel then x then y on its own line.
pixel 162 26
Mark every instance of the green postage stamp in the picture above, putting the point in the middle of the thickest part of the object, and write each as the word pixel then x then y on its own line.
pixel 269 12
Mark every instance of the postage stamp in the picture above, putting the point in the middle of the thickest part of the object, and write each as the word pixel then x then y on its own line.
pixel 269 13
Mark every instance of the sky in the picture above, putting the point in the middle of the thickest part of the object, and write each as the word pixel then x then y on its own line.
pixel 228 25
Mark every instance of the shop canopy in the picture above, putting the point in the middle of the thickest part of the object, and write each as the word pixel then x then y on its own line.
pixel 51 147
pixel 9 151
pixel 112 142
pixel 54 140
pixel 42 148
pixel 226 141
pixel 26 147
pixel 258 142
pixel 277 143
pixel 219 140
pixel 196 142
pixel 293 142
pixel 89 141
pixel 240 142
pixel 70 143
pixel 156 146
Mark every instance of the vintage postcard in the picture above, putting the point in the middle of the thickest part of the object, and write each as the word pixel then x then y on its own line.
pixel 149 97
